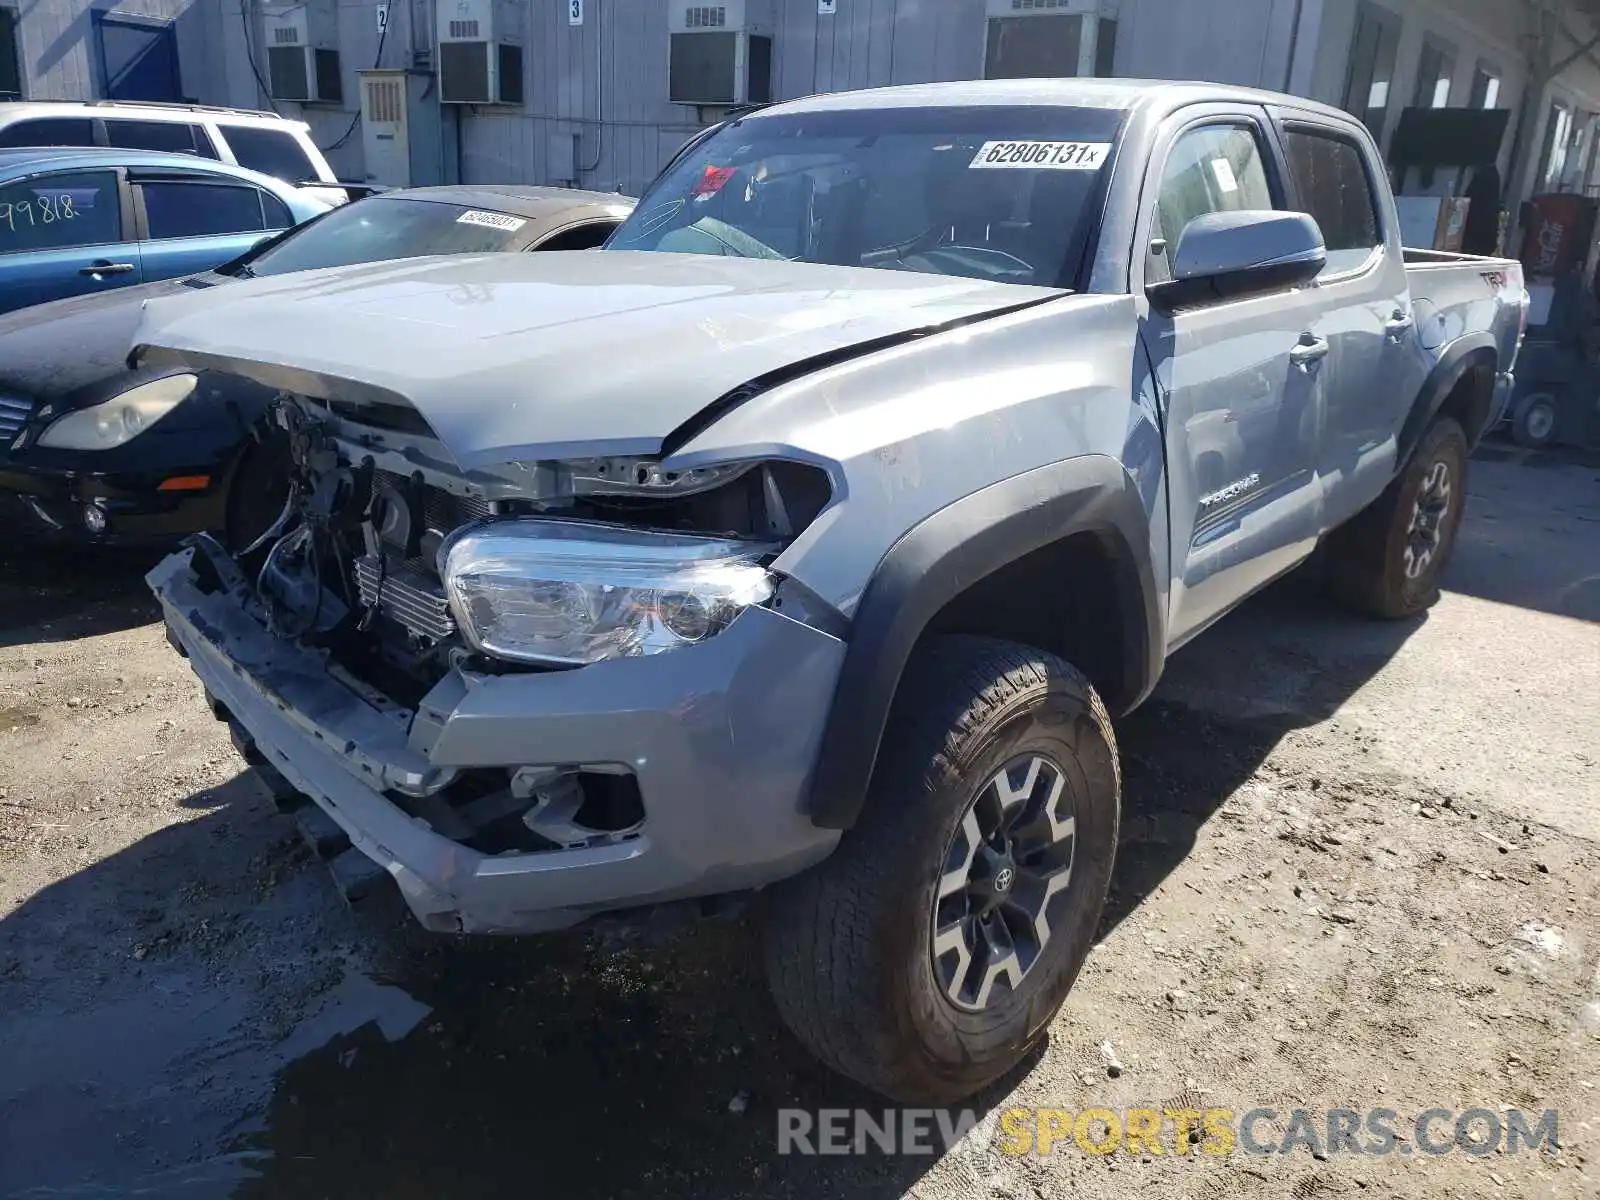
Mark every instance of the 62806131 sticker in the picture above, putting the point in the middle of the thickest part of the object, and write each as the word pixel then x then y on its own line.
pixel 491 220
pixel 1041 156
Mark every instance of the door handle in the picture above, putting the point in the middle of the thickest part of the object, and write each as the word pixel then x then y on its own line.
pixel 1309 350
pixel 1395 327
pixel 105 268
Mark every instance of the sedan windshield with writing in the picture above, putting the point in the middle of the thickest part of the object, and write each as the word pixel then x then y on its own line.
pixel 994 193
pixel 385 227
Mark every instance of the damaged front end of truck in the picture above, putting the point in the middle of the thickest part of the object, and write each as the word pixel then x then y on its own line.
pixel 460 667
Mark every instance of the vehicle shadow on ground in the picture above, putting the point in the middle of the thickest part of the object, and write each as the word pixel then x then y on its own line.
pixel 1286 660
pixel 57 595
pixel 553 1065
pixel 1533 536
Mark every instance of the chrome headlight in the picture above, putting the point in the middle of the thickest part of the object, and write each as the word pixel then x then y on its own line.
pixel 113 422
pixel 573 592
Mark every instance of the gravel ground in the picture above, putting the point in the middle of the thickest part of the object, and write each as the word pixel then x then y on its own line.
pixel 1360 867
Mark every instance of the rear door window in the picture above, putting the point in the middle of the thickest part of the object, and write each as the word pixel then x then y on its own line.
pixel 1332 184
pixel 184 208
pixel 49 131
pixel 273 152
pixel 174 137
pixel 59 211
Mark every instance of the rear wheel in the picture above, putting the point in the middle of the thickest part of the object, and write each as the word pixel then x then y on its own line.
pixel 1387 561
pixel 928 952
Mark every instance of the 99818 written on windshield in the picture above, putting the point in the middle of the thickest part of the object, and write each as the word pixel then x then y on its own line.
pixel 1048 156
pixel 43 209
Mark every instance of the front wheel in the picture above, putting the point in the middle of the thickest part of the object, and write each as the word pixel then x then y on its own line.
pixel 925 956
pixel 1387 561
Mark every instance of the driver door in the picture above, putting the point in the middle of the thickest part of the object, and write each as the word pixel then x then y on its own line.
pixel 1239 380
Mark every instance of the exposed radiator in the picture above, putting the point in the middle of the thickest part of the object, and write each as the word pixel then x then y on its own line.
pixel 406 595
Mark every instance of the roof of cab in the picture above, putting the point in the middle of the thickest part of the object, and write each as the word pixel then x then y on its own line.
pixel 1064 93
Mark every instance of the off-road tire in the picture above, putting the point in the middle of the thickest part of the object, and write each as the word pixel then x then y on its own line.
pixel 1366 559
pixel 848 944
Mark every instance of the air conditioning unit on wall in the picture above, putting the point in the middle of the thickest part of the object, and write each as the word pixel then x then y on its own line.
pixel 480 51
pixel 303 51
pixel 721 53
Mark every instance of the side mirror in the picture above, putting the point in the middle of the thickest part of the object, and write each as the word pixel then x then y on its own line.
pixel 1223 256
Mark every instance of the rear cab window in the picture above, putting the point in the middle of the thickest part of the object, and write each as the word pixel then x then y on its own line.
pixel 275 152
pixel 1333 184
pixel 49 131
pixel 59 211
pixel 1211 168
pixel 999 193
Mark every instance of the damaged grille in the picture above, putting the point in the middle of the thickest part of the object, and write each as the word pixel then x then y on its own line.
pixel 408 595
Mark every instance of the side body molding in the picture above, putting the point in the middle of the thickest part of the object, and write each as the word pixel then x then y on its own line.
pixel 944 555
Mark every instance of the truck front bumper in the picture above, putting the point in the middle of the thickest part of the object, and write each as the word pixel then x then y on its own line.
pixel 720 737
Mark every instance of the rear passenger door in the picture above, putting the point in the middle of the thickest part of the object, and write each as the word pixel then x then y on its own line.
pixel 192 223
pixel 64 233
pixel 1239 379
pixel 1373 372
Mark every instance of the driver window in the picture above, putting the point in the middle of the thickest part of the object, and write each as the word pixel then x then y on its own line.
pixel 1215 168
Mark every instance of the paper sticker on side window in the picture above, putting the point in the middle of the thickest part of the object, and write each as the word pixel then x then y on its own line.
pixel 1222 170
pixel 491 220
pixel 1041 156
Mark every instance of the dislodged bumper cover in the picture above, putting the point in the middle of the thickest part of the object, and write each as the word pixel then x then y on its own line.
pixel 721 737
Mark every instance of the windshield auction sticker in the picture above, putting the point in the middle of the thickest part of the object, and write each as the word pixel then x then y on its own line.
pixel 1041 156
pixel 491 220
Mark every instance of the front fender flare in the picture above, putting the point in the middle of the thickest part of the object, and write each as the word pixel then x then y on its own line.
pixel 947 553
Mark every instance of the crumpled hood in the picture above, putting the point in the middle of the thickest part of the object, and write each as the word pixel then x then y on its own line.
pixel 515 357
pixel 52 350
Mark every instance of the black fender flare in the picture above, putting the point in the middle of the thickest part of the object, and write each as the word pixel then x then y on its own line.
pixel 1459 357
pixel 944 555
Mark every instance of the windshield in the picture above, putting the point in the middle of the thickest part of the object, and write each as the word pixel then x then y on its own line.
pixel 992 193
pixel 385 227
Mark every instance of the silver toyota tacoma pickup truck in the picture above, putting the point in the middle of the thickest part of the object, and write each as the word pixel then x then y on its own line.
pixel 805 540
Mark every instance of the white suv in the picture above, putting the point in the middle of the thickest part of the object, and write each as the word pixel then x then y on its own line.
pixel 261 141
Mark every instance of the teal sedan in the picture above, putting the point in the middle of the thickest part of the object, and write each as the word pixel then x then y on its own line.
pixel 76 221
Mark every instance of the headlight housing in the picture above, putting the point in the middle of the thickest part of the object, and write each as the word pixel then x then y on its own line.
pixel 573 592
pixel 119 420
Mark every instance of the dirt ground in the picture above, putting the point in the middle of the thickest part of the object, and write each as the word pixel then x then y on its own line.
pixel 1360 868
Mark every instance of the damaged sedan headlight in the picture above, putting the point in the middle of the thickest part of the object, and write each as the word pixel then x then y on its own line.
pixel 567 592
pixel 119 420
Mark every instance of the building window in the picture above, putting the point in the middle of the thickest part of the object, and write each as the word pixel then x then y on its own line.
pixel 1372 55
pixel 1435 69
pixel 1559 130
pixel 1485 87
pixel 1032 47
pixel 1105 48
pixel 10 56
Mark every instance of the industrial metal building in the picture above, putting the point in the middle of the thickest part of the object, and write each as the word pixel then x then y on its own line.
pixel 598 92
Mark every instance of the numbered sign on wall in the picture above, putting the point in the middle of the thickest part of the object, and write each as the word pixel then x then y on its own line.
pixel 574 12
pixel 827 8
pixel 383 18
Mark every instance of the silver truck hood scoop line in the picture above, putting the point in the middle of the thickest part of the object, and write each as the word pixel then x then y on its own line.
pixel 514 357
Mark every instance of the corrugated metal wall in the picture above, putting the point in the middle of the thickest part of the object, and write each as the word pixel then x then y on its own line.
pixel 605 83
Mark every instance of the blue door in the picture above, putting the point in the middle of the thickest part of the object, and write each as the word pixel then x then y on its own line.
pixel 194 222
pixel 139 58
pixel 62 234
